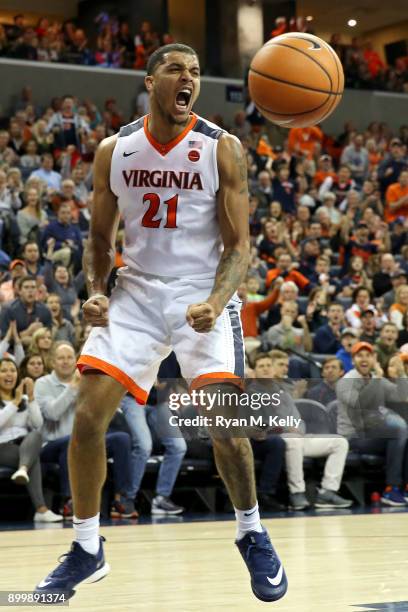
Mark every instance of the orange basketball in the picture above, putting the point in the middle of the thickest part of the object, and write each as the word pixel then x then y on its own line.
pixel 296 80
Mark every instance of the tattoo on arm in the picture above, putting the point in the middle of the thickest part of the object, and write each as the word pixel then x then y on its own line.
pixel 231 271
pixel 242 168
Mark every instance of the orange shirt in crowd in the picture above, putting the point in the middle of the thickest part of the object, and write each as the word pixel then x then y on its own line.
pixel 251 311
pixel 374 62
pixel 305 139
pixel 300 281
pixel 320 176
pixel 394 193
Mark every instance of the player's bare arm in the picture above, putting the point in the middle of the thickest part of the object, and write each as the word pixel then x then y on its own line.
pixel 99 254
pixel 232 203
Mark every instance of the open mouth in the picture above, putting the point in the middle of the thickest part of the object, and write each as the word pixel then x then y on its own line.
pixel 183 98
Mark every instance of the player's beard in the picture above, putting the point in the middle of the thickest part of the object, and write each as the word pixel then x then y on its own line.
pixel 169 117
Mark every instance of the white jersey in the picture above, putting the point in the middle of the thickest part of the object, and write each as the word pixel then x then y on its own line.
pixel 167 199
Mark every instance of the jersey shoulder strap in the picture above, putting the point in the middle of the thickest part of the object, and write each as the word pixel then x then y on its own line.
pixel 131 128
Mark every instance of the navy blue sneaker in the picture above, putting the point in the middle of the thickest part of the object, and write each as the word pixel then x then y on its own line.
pixel 392 496
pixel 268 578
pixel 77 566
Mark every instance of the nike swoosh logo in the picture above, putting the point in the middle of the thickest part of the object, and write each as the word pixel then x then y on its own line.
pixel 127 154
pixel 278 578
pixel 249 513
pixel 44 583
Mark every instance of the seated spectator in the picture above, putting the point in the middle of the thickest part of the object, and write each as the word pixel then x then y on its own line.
pixel 264 190
pixel 361 301
pixel 363 417
pixel 392 165
pixel 108 55
pixel 154 418
pixel 286 270
pixel 267 448
pixel 25 47
pixel 358 243
pixel 368 329
pixel 30 160
pixel 310 251
pixel 29 314
pixel 8 288
pixel 386 345
pixel 81 189
pixel 325 391
pixel 328 337
pixel 253 285
pixel 44 140
pixel 17 141
pixel 382 279
pixel 59 280
pixel 355 156
pixel 396 198
pixel 400 306
pixel 68 196
pixel 348 339
pixel 324 169
pixel 316 311
pixel 7 154
pixel 398 278
pixel 62 240
pixel 32 218
pixel 340 186
pixel 273 239
pixel 9 198
pixel 403 333
pixel 298 445
pixel 41 344
pixel 288 292
pixel 20 438
pixel 56 394
pixel 62 329
pixel 284 190
pixel 285 335
pixel 66 126
pixel 46 172
pixel 12 338
pixel 328 206
pixel 32 366
pixel 31 259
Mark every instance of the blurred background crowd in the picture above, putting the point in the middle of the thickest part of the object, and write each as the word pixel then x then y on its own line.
pixel 112 43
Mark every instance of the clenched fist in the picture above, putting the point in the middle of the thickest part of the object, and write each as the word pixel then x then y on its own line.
pixel 95 310
pixel 201 317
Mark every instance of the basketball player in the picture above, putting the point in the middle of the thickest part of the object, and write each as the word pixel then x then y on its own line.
pixel 180 185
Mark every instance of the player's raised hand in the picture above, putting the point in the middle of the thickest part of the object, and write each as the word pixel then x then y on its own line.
pixel 95 310
pixel 201 317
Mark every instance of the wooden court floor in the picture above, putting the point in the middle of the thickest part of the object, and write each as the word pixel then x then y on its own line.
pixel 333 563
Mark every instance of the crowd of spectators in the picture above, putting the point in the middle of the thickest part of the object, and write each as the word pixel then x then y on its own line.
pixel 328 277
pixel 111 45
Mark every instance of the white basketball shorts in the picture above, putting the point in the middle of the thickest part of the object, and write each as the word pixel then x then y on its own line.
pixel 147 320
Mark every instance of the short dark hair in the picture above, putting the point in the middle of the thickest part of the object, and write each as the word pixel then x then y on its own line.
pixel 25 279
pixel 28 243
pixel 260 356
pixel 157 57
pixel 357 291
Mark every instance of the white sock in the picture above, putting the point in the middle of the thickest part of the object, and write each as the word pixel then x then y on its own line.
pixel 87 533
pixel 248 520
